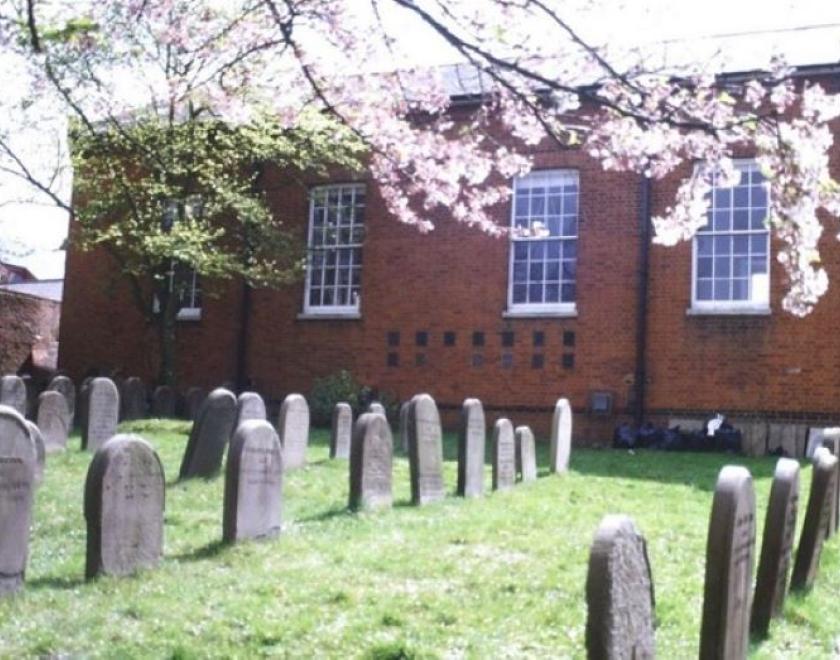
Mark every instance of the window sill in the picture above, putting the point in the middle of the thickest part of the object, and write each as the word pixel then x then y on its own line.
pixel 728 311
pixel 332 316
pixel 189 314
pixel 540 314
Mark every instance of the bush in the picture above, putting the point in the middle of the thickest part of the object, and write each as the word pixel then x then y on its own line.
pixel 330 390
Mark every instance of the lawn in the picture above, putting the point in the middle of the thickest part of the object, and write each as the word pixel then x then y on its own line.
pixel 501 576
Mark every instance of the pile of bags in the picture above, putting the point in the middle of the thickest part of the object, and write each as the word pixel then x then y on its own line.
pixel 724 437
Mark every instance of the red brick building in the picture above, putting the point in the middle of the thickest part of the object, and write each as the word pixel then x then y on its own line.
pixel 594 312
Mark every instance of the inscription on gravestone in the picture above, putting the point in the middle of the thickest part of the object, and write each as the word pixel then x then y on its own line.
pixel 776 546
pixel 253 506
pixel 67 389
pixel 341 431
pixel 53 420
pixel 504 455
pixel 103 409
pixel 526 453
pixel 425 450
pixel 561 436
pixel 294 431
pixel 729 565
pixel 13 393
pixel 371 462
pixel 471 446
pixel 619 593
pixel 209 435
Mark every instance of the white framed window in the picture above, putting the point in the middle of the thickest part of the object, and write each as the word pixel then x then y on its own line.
pixel 185 283
pixel 543 250
pixel 334 260
pixel 731 253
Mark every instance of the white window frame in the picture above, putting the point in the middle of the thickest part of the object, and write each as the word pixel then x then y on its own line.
pixel 757 305
pixel 559 308
pixel 352 310
pixel 191 312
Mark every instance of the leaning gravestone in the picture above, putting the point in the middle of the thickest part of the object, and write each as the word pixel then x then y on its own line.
pixel 164 400
pixel 53 420
pixel 729 564
pixel 371 461
pixel 294 431
pixel 124 500
pixel 133 398
pixel 504 455
pixel 817 516
pixel 40 451
pixel 102 415
pixel 341 431
pixel 776 545
pixel 471 443
pixel 249 405
pixel 253 506
pixel 831 441
pixel 425 450
pixel 404 426
pixel 619 593
pixel 65 386
pixel 13 393
pixel 192 402
pixel 526 453
pixel 209 435
pixel 17 484
pixel 561 436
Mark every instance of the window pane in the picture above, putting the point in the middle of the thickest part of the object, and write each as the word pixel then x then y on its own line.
pixel 722 267
pixel 519 291
pixel 704 245
pixel 535 293
pixel 740 266
pixel 723 245
pixel 740 244
pixel 553 250
pixel 537 251
pixel 721 291
pixel 520 250
pixel 704 267
pixel 569 249
pixel 704 289
pixel 740 289
pixel 552 293
pixel 722 220
pixel 552 271
pixel 757 217
pixel 520 271
pixel 741 196
pixel 758 265
pixel 740 220
pixel 536 272
pixel 569 269
pixel 567 292
pixel 758 244
pixel 569 225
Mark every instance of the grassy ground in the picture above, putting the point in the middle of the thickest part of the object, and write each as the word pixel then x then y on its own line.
pixel 501 576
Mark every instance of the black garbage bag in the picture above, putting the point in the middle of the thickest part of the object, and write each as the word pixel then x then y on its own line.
pixel 672 440
pixel 624 437
pixel 699 441
pixel 728 439
pixel 649 436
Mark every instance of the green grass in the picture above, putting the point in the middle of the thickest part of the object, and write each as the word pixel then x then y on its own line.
pixel 501 576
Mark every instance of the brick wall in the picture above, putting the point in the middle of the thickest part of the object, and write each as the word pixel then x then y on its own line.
pixel 24 322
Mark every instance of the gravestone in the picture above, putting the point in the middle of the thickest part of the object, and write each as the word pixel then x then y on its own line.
pixel 82 403
pixel 33 389
pixel 53 420
pixel 209 436
pixel 776 546
pixel 133 398
pixel 102 413
pixel 831 441
pixel 404 426
pixel 164 402
pixel 253 506
pixel 504 455
pixel 40 451
pixel 341 431
pixel 378 409
pixel 471 446
pixel 124 501
pixel 249 405
pixel 619 593
pixel 193 399
pixel 13 393
pixel 18 459
pixel 425 450
pixel 729 565
pixel 561 436
pixel 65 386
pixel 371 462
pixel 294 431
pixel 817 516
pixel 526 453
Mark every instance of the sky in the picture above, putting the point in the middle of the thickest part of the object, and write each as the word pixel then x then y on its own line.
pixel 743 34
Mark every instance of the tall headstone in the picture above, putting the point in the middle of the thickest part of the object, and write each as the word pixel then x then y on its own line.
pixel 17 485
pixel 164 402
pixel 378 409
pixel 193 399
pixel 53 420
pixel 404 426
pixel 294 431
pixel 82 403
pixel 425 450
pixel 102 415
pixel 561 437
pixel 210 435
pixel 253 506
pixel 776 546
pixel 67 389
pixel 472 440
pixel 133 398
pixel 730 548
pixel 13 393
pixel 371 461
pixel 504 455
pixel 249 405
pixel 40 451
pixel 124 501
pixel 341 431
pixel 831 441
pixel 817 516
pixel 526 453
pixel 619 593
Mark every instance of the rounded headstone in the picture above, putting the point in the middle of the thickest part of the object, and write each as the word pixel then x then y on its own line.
pixel 210 435
pixel 378 409
pixel 526 453
pixel 504 455
pixel 471 446
pixel 124 502
pixel 13 393
pixel 341 431
pixel 164 400
pixel 133 398
pixel 53 420
pixel 371 462
pixel 425 450
pixel 67 389
pixel 102 413
pixel 293 425
pixel 249 405
pixel 40 451
pixel 193 399
pixel 561 437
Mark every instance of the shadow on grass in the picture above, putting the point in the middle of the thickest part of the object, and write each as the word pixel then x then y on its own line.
pixel 208 551
pixel 329 514
pixel 54 582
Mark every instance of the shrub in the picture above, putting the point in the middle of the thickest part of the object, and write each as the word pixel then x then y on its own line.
pixel 330 390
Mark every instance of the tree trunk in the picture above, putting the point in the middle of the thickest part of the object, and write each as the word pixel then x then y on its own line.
pixel 166 322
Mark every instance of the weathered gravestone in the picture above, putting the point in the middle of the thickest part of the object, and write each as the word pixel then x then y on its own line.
pixel 404 425
pixel 249 405
pixel 193 399
pixel 124 501
pixel 471 446
pixel 64 386
pixel 504 455
pixel 294 431
pixel 341 431
pixel 619 593
pixel 371 461
pixel 730 548
pixel 378 409
pixel 815 526
pixel 776 546
pixel 425 450
pixel 40 451
pixel 561 436
pixel 526 453
pixel 831 441
pixel 209 436
pixel 164 402
pixel 82 403
pixel 53 420
pixel 17 485
pixel 133 399
pixel 253 506
pixel 102 413
pixel 13 393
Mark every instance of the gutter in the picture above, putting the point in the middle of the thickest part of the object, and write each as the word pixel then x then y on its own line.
pixel 640 376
